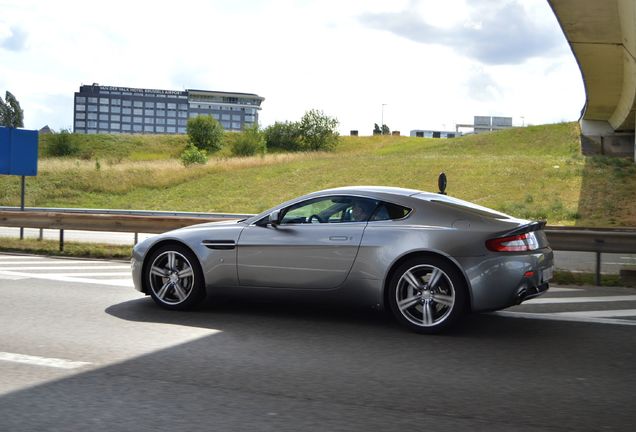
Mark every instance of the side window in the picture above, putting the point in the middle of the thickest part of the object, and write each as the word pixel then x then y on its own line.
pixel 388 211
pixel 335 209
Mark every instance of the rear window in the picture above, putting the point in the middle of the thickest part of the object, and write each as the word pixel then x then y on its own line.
pixel 389 211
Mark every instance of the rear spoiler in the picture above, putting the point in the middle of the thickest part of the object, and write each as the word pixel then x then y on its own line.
pixel 523 229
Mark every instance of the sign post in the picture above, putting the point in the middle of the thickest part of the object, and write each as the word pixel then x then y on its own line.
pixel 19 156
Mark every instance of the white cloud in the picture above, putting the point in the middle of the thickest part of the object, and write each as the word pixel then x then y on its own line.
pixel 298 54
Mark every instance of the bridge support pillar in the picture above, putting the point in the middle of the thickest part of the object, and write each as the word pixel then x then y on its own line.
pixel 599 138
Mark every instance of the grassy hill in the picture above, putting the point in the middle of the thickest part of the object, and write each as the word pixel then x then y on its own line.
pixel 534 172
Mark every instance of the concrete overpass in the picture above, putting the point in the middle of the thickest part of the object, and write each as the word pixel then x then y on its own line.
pixel 602 35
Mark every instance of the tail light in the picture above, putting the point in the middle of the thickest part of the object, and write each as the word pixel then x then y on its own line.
pixel 515 243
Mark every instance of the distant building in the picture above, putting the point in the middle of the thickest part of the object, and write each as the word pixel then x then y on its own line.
pixel 45 130
pixel 105 109
pixel 433 134
pixel 487 124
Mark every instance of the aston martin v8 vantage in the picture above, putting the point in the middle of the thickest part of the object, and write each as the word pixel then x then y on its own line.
pixel 427 258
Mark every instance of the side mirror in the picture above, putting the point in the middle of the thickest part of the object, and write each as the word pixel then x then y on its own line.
pixel 274 218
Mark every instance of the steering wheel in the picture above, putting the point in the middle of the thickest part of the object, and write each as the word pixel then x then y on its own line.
pixel 318 218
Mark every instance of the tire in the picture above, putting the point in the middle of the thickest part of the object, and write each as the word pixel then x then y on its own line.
pixel 418 305
pixel 174 278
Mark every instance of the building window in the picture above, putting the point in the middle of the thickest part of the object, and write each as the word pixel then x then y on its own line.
pixel 161 105
pixel 91 131
pixel 160 121
pixel 182 130
pixel 91 124
pixel 249 118
pixel 172 105
pixel 172 113
pixel 216 116
pixel 149 112
pixel 80 99
pixel 160 129
pixel 103 125
pixel 115 101
pixel 103 117
pixel 138 104
pixel 138 111
pixel 80 124
pixel 171 129
pixel 149 104
pixel 92 100
pixel 149 128
pixel 103 108
pixel 172 121
pixel 236 125
pixel 225 124
pixel 236 117
pixel 92 108
pixel 126 119
pixel 80 107
pixel 80 116
pixel 183 114
pixel 161 113
pixel 149 120
pixel 137 119
pixel 183 106
pixel 114 126
pixel 225 117
pixel 114 118
pixel 125 127
pixel 115 109
pixel 92 116
pixel 103 101
pixel 181 122
pixel 126 111
pixel 126 103
pixel 136 128
pixel 194 114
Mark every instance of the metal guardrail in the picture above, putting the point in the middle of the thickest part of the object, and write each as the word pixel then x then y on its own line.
pixel 578 239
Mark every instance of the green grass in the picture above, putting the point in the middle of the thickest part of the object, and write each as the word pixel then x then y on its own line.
pixel 535 172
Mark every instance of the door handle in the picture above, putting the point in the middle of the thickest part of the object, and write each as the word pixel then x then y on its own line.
pixel 338 238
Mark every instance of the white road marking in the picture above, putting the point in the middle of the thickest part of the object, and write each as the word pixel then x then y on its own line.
pixel 41 361
pixel 557 317
pixel 128 273
pixel 56 277
pixel 50 262
pixel 559 289
pixel 598 299
pixel 76 267
pixel 600 313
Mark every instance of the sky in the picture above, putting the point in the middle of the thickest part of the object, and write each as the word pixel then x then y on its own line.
pixel 416 64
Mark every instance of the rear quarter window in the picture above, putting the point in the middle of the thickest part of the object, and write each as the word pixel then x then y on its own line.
pixel 389 211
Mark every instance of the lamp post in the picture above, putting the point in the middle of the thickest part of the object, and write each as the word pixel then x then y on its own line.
pixel 382 125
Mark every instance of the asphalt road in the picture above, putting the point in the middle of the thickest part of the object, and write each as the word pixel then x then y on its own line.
pixel 80 350
pixel 571 261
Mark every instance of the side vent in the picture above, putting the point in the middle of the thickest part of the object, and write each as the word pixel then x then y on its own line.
pixel 219 244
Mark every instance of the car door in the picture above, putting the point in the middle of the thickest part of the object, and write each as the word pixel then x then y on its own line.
pixel 313 246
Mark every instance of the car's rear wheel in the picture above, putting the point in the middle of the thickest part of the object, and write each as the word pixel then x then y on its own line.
pixel 427 294
pixel 174 277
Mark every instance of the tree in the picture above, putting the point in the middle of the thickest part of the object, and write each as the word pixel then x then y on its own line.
pixel 283 136
pixel 318 131
pixel 386 130
pixel 249 142
pixel 11 115
pixel 376 129
pixel 205 133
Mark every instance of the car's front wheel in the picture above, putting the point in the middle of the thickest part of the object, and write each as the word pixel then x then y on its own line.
pixel 427 294
pixel 174 277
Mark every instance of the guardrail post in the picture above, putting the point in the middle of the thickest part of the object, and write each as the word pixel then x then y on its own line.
pixel 599 246
pixel 61 240
pixel 41 236
pixel 136 238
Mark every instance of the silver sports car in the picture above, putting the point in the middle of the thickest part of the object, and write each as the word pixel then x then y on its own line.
pixel 426 257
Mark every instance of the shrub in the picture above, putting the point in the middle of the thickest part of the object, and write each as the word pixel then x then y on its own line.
pixel 205 133
pixel 284 136
pixel 192 155
pixel 249 142
pixel 318 131
pixel 62 144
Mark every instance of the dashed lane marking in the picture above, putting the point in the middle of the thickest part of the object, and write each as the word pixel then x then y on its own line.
pixel 596 299
pixel 57 277
pixel 41 361
pixel 558 317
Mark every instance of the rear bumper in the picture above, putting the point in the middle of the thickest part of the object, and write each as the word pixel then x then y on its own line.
pixel 503 280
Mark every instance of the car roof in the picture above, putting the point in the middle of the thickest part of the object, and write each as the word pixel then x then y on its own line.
pixel 372 189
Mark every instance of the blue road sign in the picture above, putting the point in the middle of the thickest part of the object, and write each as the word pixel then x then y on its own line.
pixel 18 152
